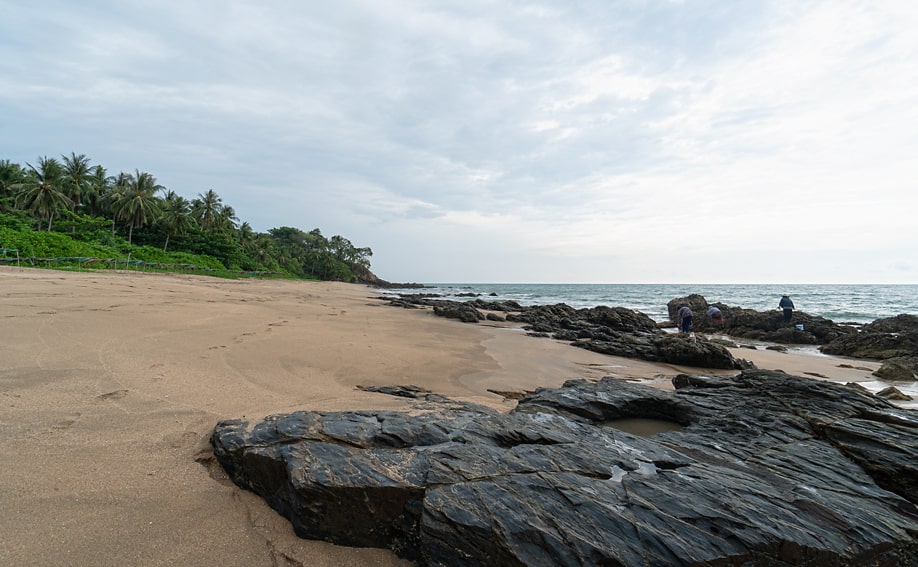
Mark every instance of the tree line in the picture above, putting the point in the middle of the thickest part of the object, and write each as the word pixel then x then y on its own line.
pixel 79 202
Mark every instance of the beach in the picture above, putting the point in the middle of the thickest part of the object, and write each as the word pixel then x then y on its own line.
pixel 113 381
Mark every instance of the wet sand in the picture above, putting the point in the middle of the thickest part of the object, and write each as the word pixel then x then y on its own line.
pixel 112 382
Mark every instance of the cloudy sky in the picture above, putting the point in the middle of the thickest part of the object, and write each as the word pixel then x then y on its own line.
pixel 632 141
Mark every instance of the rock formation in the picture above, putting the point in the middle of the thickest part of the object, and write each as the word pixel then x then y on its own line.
pixel 763 469
pixel 608 330
pixel 762 325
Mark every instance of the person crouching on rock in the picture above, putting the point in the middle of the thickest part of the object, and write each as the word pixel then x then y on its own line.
pixel 788 306
pixel 717 317
pixel 685 319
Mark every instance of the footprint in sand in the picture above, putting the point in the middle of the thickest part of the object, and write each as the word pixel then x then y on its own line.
pixel 66 423
pixel 116 395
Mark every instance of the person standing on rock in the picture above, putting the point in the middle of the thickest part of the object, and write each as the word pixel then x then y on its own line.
pixel 788 306
pixel 685 317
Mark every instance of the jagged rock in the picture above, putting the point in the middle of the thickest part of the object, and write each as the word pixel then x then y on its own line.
pixel 857 387
pixel 609 330
pixel 458 310
pixel 893 393
pixel 766 469
pixel 891 337
pixel 761 326
pixel 672 349
pixel 407 391
pixel 901 369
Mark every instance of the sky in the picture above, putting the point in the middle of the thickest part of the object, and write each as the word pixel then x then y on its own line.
pixel 609 141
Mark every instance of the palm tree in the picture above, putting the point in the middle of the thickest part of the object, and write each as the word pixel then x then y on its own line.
pixel 76 178
pixel 12 177
pixel 113 195
pixel 176 216
pixel 226 220
pixel 207 208
pixel 246 234
pixel 41 192
pixel 139 204
pixel 99 184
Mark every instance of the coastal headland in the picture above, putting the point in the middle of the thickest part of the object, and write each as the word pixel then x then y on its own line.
pixel 112 384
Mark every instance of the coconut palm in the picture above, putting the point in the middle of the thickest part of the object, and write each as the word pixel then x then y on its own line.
pixel 12 177
pixel 98 187
pixel 41 192
pixel 207 208
pixel 76 179
pixel 139 204
pixel 113 195
pixel 226 220
pixel 175 216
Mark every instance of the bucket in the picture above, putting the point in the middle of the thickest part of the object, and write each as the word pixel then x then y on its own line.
pixel 799 326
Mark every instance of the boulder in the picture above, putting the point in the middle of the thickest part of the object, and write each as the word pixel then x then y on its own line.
pixel 458 310
pixel 664 347
pixel 609 330
pixel 893 393
pixel 761 325
pixel 758 469
pixel 901 369
pixel 886 338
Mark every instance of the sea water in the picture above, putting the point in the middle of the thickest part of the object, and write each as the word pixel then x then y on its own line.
pixel 840 303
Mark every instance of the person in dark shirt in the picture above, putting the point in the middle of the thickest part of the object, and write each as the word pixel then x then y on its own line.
pixel 685 317
pixel 716 315
pixel 788 306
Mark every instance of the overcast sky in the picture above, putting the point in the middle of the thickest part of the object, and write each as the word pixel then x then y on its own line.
pixel 634 141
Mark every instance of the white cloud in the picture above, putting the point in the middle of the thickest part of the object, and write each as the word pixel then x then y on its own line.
pixel 602 142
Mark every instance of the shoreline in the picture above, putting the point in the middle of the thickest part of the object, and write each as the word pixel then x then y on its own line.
pixel 113 383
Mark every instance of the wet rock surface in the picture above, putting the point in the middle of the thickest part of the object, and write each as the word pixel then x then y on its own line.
pixel 766 326
pixel 766 469
pixel 892 337
pixel 608 330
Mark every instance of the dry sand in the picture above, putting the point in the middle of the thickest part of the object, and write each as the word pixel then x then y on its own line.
pixel 112 382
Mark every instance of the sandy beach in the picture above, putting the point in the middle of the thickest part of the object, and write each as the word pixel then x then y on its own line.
pixel 112 382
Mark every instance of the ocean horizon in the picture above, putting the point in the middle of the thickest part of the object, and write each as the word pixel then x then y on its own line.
pixel 842 303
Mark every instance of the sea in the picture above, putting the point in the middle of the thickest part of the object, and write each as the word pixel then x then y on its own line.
pixel 842 303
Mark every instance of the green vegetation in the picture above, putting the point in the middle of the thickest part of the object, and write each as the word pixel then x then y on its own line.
pixel 70 213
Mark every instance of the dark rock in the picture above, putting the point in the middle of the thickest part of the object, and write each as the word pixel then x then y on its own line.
pixel 697 303
pixel 893 393
pixel 458 310
pixel 372 279
pixel 902 369
pixel 884 338
pixel 761 326
pixel 608 330
pixel 409 391
pixel 766 469
pixel 665 347
pixel 494 317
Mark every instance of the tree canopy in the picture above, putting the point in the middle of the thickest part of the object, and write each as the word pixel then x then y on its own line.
pixel 135 214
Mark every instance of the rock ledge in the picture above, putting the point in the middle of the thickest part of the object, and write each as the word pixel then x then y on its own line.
pixel 766 468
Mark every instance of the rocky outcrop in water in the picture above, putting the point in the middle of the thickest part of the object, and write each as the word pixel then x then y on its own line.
pixel 894 340
pixel 608 330
pixel 883 339
pixel 761 325
pixel 766 469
